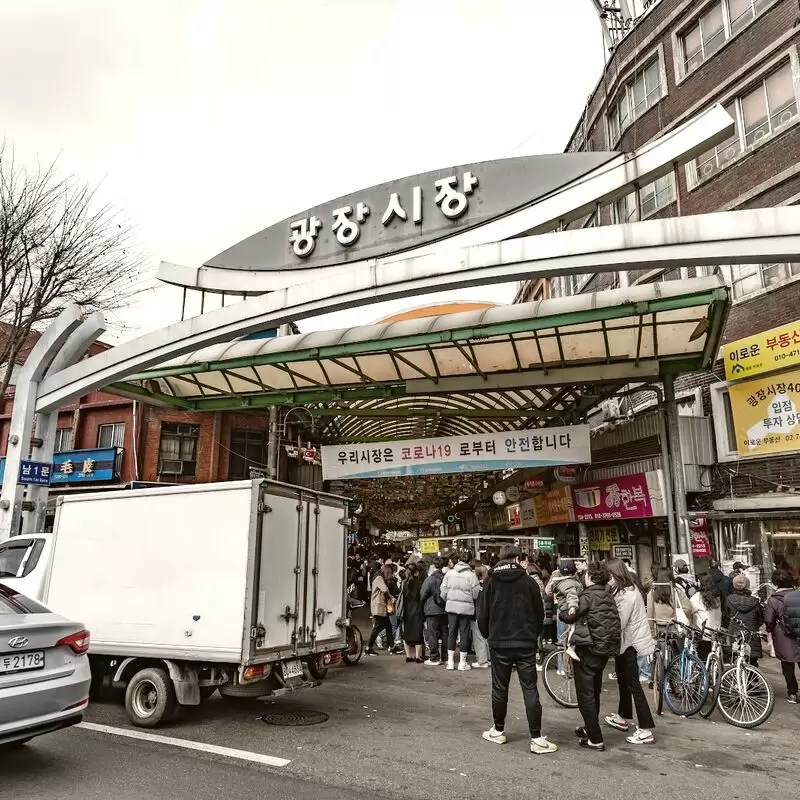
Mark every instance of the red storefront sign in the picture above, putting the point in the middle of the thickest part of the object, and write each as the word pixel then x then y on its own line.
pixel 698 530
pixel 627 497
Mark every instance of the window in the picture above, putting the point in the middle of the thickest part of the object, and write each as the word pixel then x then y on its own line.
pixel 747 279
pixel 11 557
pixel 112 435
pixel 762 111
pixel 721 22
pixel 63 439
pixel 724 432
pixel 643 92
pixel 178 449
pixel 248 449
pixel 652 197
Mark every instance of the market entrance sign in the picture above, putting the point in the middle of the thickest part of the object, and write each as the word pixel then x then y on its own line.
pixel 778 348
pixel 766 414
pixel 479 453
pixel 406 213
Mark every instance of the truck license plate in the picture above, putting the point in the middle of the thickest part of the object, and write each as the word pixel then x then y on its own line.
pixel 292 669
pixel 18 662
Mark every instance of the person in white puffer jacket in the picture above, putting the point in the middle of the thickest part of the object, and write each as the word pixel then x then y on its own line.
pixel 460 589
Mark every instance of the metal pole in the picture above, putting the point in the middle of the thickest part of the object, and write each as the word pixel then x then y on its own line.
pixel 678 482
pixel 273 444
pixel 666 467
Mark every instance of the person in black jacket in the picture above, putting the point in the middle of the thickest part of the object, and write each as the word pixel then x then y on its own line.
pixel 596 636
pixel 436 626
pixel 510 617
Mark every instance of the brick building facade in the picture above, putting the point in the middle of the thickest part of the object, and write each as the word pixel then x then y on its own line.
pixel 678 59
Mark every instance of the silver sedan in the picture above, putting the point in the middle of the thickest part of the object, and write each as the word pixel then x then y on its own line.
pixel 44 669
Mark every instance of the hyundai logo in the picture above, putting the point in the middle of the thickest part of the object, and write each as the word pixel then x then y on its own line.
pixel 17 642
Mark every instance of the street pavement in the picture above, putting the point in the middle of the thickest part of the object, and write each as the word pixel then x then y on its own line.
pixel 405 731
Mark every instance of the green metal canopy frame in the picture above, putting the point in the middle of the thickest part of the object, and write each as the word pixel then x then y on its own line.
pixel 505 367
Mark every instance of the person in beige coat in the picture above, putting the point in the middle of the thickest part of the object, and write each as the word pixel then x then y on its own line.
pixel 637 640
pixel 380 595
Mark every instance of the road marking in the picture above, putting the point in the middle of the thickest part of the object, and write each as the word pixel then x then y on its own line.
pixel 228 752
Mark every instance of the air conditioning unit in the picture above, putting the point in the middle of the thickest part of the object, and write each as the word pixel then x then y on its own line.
pixel 169 466
pixel 610 409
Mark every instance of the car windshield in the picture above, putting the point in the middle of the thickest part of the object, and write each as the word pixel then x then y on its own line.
pixel 12 602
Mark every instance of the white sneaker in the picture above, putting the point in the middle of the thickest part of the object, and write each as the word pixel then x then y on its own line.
pixel 432 662
pixel 451 665
pixel 616 721
pixel 464 667
pixel 541 746
pixel 492 735
pixel 641 737
pixel 476 665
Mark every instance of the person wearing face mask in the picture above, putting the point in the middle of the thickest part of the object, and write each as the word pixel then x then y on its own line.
pixel 637 640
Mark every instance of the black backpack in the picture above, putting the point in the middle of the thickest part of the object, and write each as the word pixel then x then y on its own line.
pixel 790 619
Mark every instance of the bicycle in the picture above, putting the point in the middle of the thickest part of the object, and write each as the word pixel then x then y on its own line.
pixel 558 675
pixel 715 666
pixel 745 697
pixel 685 684
pixel 665 650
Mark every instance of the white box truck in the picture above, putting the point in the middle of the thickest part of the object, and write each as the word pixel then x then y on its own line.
pixel 237 586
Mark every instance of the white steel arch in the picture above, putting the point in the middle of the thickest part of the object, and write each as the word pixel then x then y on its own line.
pixel 732 237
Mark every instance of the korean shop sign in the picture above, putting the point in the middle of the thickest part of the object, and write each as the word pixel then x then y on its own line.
pixel 481 453
pixel 429 547
pixel 405 213
pixel 554 507
pixel 85 466
pixel 603 538
pixel 627 497
pixel 766 414
pixel 778 348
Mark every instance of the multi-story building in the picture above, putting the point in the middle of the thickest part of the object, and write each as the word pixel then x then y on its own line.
pixel 677 58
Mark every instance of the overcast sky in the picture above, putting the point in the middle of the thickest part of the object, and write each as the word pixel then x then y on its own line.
pixel 205 121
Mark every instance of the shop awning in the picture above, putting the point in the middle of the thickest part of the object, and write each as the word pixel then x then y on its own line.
pixel 486 370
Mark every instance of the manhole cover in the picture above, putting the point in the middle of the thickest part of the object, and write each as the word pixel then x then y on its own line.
pixel 296 718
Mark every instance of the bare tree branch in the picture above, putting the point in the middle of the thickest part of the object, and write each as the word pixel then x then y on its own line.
pixel 57 247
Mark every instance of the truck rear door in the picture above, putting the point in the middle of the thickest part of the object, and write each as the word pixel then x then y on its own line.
pixel 299 573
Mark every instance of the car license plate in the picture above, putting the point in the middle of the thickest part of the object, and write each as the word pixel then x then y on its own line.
pixel 17 662
pixel 292 669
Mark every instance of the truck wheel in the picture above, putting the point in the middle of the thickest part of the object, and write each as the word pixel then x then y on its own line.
pixel 317 668
pixel 150 698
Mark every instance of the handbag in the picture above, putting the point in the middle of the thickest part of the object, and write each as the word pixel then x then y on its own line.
pixel 391 607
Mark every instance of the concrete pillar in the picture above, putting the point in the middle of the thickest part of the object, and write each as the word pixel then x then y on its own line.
pixel 46 424
pixel 26 390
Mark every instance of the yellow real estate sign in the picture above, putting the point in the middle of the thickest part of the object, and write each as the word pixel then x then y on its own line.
pixel 766 414
pixel 429 547
pixel 778 348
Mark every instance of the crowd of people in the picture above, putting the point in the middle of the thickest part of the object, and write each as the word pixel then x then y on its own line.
pixel 602 612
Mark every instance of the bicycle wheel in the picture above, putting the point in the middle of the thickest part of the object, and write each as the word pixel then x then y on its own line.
pixel 685 684
pixel 657 682
pixel 714 669
pixel 355 646
pixel 746 698
pixel 559 681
